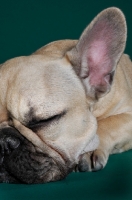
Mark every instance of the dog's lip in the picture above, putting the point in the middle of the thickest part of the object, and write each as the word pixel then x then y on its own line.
pixel 56 153
pixel 61 161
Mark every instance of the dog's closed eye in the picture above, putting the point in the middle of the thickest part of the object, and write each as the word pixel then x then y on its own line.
pixel 36 124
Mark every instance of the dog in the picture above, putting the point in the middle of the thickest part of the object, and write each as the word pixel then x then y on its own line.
pixel 68 105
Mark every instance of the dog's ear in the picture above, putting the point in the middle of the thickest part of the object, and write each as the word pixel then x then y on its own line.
pixel 98 51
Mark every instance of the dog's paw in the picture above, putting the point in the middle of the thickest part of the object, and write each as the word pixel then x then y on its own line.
pixel 92 161
pixel 9 140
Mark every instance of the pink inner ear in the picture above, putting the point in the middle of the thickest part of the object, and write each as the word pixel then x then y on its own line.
pixel 97 52
pixel 98 62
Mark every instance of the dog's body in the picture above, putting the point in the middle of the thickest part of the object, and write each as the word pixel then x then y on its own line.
pixel 56 97
pixel 113 111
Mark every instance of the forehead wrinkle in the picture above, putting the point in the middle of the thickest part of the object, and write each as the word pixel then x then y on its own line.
pixel 49 91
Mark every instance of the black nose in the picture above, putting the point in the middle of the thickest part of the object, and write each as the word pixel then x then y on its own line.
pixel 21 163
pixel 9 140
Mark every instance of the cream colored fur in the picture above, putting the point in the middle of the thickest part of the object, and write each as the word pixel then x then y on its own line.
pixel 55 80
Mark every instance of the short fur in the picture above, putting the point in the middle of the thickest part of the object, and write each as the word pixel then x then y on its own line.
pixel 63 98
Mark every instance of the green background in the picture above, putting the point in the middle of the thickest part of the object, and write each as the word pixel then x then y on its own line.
pixel 26 25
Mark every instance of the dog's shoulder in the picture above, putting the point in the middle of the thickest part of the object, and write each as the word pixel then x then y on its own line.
pixel 123 77
pixel 124 71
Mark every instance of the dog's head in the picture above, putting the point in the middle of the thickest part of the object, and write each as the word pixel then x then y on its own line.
pixel 48 96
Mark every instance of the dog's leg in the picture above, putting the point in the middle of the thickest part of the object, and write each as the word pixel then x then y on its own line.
pixel 115 135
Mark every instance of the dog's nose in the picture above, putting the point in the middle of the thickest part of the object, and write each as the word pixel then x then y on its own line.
pixel 9 141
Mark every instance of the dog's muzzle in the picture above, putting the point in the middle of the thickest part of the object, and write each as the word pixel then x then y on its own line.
pixel 21 163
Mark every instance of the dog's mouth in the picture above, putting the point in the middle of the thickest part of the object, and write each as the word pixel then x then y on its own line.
pixel 29 167
pixel 23 164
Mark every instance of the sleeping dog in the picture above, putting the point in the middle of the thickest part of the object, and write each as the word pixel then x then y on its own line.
pixel 68 105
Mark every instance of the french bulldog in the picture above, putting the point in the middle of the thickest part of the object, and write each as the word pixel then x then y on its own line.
pixel 68 105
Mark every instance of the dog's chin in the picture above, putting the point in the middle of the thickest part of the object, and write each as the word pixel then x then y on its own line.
pixel 23 165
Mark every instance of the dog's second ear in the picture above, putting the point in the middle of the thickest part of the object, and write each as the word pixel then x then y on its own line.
pixel 98 51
